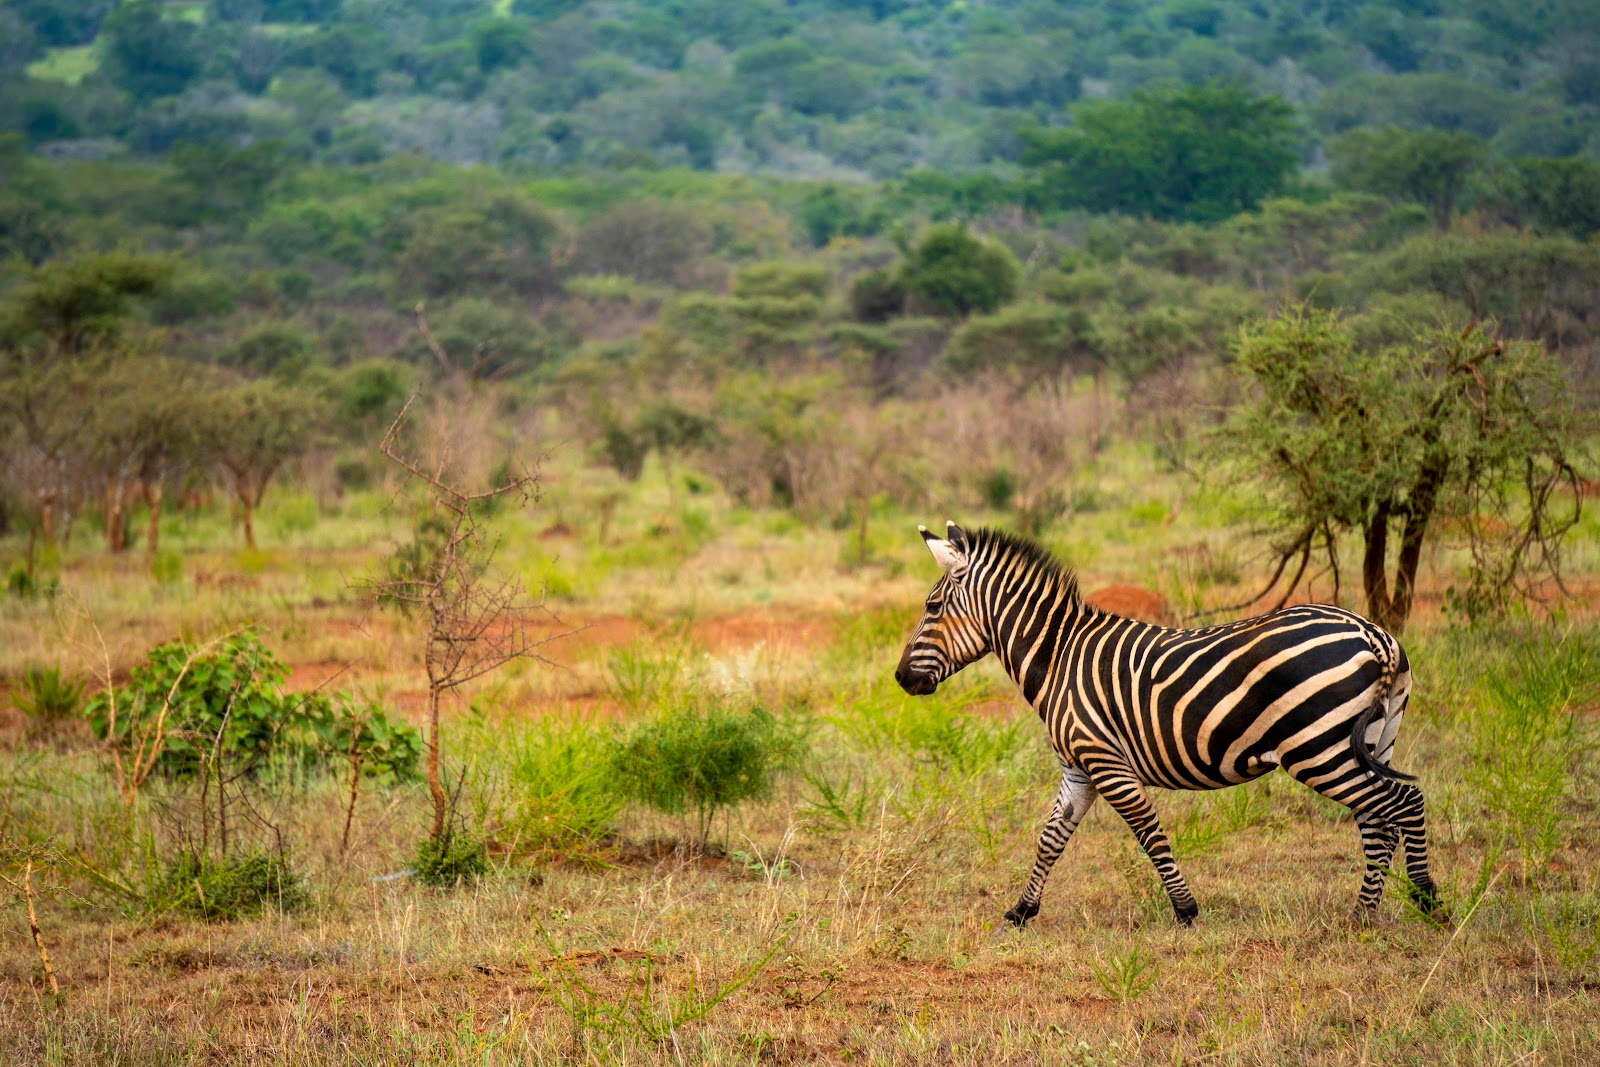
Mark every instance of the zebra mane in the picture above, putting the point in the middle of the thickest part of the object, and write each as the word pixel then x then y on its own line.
pixel 1013 551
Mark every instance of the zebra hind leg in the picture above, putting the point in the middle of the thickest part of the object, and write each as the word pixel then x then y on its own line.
pixel 1073 801
pixel 1378 842
pixel 1124 793
pixel 1400 807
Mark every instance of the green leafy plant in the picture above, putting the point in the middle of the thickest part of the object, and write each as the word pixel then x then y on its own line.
pixel 185 702
pixel 452 859
pixel 48 698
pixel 1127 973
pixel 562 800
pixel 212 888
pixel 641 1012
pixel 700 761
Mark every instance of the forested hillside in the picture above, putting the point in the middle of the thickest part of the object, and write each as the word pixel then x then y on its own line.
pixel 813 88
pixel 760 236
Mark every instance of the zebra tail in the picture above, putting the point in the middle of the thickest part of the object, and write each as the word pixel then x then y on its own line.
pixel 1358 732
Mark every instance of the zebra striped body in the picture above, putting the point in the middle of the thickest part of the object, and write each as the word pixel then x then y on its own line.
pixel 1316 689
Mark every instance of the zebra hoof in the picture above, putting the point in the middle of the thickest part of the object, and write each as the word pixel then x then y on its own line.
pixel 1187 914
pixel 1019 915
pixel 1428 902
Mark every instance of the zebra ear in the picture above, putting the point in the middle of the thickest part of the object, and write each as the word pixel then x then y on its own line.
pixel 955 535
pixel 945 554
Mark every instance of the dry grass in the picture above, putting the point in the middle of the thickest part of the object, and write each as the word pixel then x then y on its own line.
pixel 880 928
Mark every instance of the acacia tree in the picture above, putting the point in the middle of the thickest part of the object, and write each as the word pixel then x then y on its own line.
pixel 1453 424
pixel 253 428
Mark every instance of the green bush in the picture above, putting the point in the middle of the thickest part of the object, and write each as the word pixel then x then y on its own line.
pixel 951 272
pixel 877 296
pixel 192 694
pixel 232 689
pixel 48 698
pixel 699 761
pixel 456 858
pixel 562 799
pixel 223 889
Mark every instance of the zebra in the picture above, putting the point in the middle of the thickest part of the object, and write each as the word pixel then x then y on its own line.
pixel 1314 689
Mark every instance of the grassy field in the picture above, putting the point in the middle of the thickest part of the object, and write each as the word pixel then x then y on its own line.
pixel 851 917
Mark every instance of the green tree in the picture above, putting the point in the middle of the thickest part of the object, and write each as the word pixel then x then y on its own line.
pixel 1430 167
pixel 1200 153
pixel 74 305
pixel 1558 195
pixel 1451 423
pixel 252 429
pixel 147 54
pixel 951 272
pixel 1033 340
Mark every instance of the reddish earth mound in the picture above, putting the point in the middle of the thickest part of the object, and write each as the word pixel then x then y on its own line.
pixel 1136 602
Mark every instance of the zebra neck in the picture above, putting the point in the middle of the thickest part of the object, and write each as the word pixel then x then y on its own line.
pixel 1030 614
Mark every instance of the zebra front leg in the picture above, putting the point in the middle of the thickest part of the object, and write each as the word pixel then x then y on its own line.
pixel 1124 793
pixel 1073 800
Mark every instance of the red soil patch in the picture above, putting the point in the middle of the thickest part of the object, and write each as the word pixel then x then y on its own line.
pixel 1136 602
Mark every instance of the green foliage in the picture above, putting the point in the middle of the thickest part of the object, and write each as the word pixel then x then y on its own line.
pixel 951 272
pixel 271 347
pixel 219 697
pixel 647 240
pixel 458 250
pixel 455 859
pixel 147 54
pixel 48 698
pixel 225 890
pixel 1127 973
pixel 1438 425
pixel 341 727
pixel 1430 167
pixel 185 706
pixel 1035 339
pixel 22 584
pixel 559 797
pixel 80 302
pixel 783 280
pixel 877 296
pixel 698 761
pixel 1555 195
pixel 1202 153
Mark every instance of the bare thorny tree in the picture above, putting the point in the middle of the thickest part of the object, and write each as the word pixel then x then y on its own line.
pixel 473 622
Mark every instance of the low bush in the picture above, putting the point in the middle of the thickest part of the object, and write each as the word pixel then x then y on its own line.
pixel 701 760
pixel 48 698
pixel 561 797
pixel 223 889
pixel 454 859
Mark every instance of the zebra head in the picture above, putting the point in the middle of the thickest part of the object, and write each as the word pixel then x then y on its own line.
pixel 950 633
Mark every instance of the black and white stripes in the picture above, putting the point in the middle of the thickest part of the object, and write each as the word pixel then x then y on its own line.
pixel 1317 690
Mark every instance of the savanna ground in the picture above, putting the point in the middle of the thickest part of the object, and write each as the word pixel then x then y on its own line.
pixel 852 917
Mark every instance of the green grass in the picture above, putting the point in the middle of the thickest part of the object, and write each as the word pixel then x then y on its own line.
pixel 851 915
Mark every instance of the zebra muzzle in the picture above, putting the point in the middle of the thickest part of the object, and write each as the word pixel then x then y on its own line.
pixel 916 683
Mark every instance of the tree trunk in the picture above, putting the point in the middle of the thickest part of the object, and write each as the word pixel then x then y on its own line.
pixel 248 511
pixel 864 513
pixel 1374 577
pixel 435 786
pixel 116 531
pixel 152 497
pixel 1423 497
